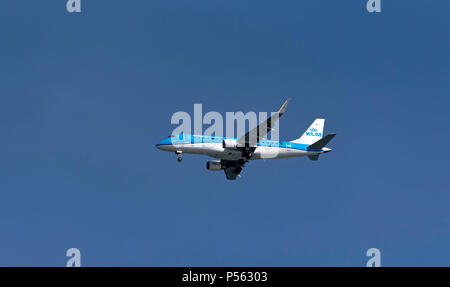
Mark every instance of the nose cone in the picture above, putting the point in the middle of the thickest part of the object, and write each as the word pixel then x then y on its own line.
pixel 163 144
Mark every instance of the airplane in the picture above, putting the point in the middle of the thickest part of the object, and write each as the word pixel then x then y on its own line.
pixel 234 153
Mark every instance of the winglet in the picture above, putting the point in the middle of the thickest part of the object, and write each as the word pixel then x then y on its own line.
pixel 283 107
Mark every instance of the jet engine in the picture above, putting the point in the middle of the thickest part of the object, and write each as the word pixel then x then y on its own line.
pixel 214 165
pixel 229 143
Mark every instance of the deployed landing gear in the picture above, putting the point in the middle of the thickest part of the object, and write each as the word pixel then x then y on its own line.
pixel 247 152
pixel 180 155
pixel 248 155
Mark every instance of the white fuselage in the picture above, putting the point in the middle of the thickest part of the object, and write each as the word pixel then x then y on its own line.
pixel 216 150
pixel 264 150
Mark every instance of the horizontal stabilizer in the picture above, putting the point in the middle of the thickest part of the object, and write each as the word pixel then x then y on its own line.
pixel 314 157
pixel 322 142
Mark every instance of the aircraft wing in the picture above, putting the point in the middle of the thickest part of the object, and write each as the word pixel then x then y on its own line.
pixel 252 138
pixel 232 168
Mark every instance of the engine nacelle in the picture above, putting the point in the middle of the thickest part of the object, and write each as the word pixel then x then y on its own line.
pixel 229 143
pixel 213 165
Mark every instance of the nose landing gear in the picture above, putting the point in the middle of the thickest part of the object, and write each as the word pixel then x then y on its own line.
pixel 179 155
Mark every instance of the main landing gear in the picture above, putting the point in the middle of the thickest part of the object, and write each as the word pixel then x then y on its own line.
pixel 179 155
pixel 248 155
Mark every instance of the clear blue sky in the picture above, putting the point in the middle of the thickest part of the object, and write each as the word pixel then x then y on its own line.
pixel 85 98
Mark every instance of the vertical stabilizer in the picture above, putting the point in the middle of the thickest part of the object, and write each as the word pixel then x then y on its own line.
pixel 313 133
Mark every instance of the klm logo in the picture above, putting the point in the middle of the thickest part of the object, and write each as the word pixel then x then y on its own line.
pixel 313 133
